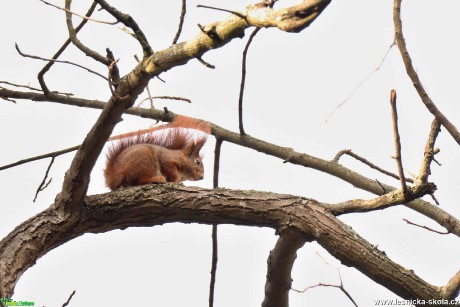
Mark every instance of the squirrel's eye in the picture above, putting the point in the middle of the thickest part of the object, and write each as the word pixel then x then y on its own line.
pixel 197 162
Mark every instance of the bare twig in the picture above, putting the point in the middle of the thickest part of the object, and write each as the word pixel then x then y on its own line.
pixel 23 86
pixel 181 21
pixel 368 163
pixel 243 80
pixel 362 82
pixel 81 16
pixel 426 227
pixel 212 282
pixel 200 59
pixel 36 158
pixel 45 69
pixel 339 286
pixel 59 61
pixel 42 185
pixel 222 10
pixel 429 104
pixel 68 300
pixel 397 139
pixel 217 151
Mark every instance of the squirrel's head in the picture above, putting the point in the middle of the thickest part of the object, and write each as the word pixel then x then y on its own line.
pixel 194 169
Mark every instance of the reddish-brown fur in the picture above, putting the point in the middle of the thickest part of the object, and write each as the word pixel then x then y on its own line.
pixel 173 155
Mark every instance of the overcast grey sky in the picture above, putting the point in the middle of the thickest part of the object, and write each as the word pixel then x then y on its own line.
pixel 294 82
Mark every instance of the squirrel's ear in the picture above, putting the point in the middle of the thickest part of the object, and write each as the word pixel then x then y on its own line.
pixel 194 149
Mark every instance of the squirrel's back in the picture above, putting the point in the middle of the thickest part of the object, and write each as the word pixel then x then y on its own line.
pixel 169 155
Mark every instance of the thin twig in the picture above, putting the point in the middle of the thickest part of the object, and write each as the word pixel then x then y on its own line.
pixel 181 21
pixel 397 140
pixel 427 228
pixel 40 157
pixel 429 104
pixel 42 185
pixel 368 163
pixel 339 286
pixel 23 86
pixel 81 16
pixel 68 300
pixel 162 97
pixel 200 59
pixel 222 10
pixel 362 82
pixel 243 80
pixel 212 282
pixel 59 61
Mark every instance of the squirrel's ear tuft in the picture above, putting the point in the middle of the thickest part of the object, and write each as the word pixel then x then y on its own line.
pixel 194 149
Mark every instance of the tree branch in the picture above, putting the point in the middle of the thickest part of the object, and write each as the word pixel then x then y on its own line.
pixel 429 104
pixel 280 262
pixel 429 152
pixel 151 205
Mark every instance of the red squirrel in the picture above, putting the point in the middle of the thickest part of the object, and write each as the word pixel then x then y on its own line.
pixel 142 157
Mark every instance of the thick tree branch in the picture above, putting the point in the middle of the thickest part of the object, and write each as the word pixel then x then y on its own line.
pixel 429 104
pixel 156 205
pixel 280 263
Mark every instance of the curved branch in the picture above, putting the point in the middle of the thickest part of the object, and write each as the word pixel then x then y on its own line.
pixel 151 205
pixel 429 104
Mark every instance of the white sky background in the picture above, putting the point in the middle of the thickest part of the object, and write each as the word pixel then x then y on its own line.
pixel 294 81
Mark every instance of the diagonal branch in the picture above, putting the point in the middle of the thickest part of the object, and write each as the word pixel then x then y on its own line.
pixel 429 104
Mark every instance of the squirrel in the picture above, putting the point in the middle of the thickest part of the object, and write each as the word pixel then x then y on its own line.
pixel 142 157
